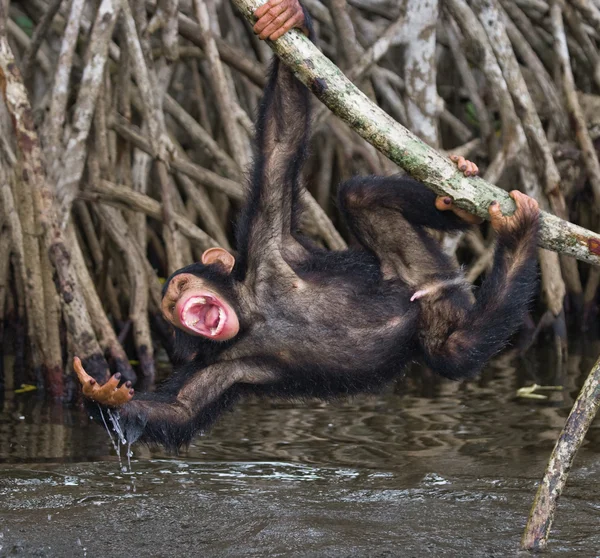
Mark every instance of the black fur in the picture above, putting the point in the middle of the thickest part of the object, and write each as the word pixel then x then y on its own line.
pixel 326 324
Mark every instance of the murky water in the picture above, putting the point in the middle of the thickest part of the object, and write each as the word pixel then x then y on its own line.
pixel 430 468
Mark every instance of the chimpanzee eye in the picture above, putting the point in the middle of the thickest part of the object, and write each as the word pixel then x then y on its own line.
pixel 181 284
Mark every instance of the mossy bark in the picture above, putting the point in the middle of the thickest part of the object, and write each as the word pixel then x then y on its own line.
pixel 424 163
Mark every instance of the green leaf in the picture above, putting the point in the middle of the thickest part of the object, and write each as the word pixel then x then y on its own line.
pixel 25 388
pixel 471 113
pixel 25 23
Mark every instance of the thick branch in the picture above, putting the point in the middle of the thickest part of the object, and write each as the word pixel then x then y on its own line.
pixel 123 196
pixel 77 317
pixel 184 166
pixel 73 161
pixel 542 512
pixel 328 83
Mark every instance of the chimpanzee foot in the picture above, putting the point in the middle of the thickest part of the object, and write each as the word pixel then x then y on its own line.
pixel 444 203
pixel 468 168
pixel 527 210
pixel 108 394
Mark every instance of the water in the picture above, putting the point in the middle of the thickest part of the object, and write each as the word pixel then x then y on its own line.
pixel 429 468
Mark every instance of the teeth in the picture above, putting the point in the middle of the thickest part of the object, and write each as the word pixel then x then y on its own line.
pixel 221 323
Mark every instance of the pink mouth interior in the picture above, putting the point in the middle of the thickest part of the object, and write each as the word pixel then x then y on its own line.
pixel 204 315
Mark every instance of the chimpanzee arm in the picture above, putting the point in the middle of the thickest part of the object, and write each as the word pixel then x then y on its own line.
pixel 173 419
pixel 457 338
pixel 282 132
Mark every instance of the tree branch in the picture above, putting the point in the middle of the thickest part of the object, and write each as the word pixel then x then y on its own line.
pixel 330 85
pixel 542 512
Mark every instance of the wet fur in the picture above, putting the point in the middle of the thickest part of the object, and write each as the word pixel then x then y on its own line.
pixel 327 324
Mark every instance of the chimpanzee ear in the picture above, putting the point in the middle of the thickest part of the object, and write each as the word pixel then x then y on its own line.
pixel 219 256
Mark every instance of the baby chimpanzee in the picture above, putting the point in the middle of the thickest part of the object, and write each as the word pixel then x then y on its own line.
pixel 288 319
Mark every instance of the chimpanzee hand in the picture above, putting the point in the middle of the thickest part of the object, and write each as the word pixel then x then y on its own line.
pixel 521 220
pixel 108 394
pixel 468 168
pixel 277 17
pixel 444 203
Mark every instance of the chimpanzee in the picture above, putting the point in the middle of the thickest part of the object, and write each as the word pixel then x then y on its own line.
pixel 288 319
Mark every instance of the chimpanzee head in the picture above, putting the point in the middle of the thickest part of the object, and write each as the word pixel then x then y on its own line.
pixel 199 299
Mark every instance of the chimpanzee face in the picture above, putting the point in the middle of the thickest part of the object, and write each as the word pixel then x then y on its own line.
pixel 194 304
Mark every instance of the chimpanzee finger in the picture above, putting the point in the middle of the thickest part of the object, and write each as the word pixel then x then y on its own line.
pixel 269 16
pixel 497 219
pixel 89 386
pixel 289 24
pixel 524 202
pixel 113 382
pixel 262 10
pixel 82 375
pixel 121 396
pixel 263 22
pixel 443 203
pixel 114 398
pixel 275 24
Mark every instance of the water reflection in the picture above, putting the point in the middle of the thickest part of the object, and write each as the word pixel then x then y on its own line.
pixel 421 416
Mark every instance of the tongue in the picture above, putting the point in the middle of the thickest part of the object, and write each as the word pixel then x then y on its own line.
pixel 211 319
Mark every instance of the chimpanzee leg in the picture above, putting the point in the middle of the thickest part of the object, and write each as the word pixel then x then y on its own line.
pixel 388 216
pixel 458 337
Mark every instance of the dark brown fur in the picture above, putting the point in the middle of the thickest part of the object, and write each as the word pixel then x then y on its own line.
pixel 326 324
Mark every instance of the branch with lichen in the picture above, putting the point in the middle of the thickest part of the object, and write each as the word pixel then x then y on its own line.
pixel 422 162
pixel 580 418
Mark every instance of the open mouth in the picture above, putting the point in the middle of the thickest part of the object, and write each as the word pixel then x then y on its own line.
pixel 203 315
